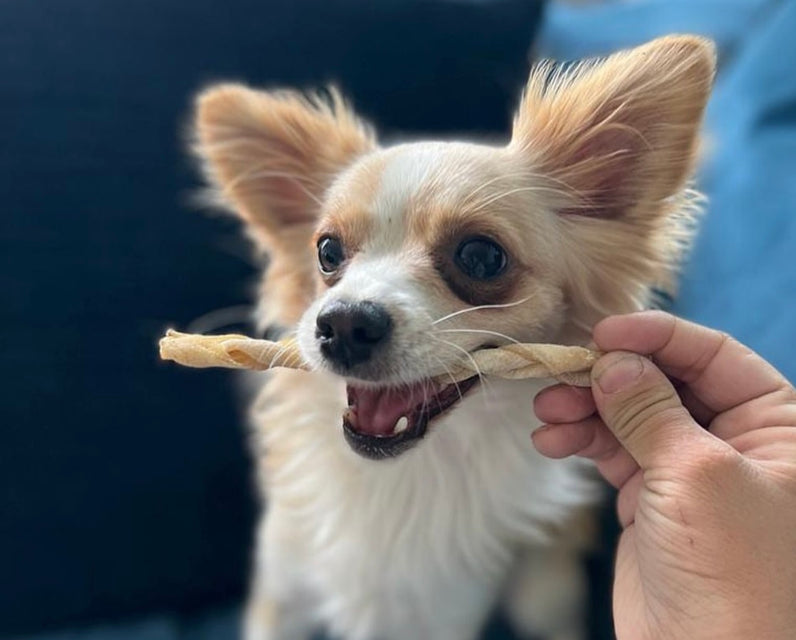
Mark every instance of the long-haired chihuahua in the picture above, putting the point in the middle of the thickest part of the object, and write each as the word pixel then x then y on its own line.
pixel 399 507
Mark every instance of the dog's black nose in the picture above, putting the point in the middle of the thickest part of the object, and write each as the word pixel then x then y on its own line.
pixel 349 331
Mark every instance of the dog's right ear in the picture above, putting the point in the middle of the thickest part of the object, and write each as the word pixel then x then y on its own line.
pixel 271 155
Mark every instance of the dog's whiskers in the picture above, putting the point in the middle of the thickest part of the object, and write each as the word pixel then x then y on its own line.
pixel 484 331
pixel 582 325
pixel 276 357
pixel 476 368
pixel 504 194
pixel 568 189
pixel 450 374
pixel 218 318
pixel 480 307
pixel 484 185
pixel 280 353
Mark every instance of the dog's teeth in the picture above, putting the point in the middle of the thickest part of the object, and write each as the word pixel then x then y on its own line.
pixel 401 425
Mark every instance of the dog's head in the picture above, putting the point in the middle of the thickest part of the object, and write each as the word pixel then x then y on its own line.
pixel 394 263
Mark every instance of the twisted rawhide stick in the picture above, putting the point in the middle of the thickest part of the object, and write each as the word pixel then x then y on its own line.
pixel 570 365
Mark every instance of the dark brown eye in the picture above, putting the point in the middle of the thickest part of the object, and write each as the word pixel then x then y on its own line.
pixel 481 258
pixel 330 254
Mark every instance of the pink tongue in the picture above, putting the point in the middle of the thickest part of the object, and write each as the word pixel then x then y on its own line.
pixel 377 410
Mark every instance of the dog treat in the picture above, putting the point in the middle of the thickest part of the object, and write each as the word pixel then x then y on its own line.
pixel 570 365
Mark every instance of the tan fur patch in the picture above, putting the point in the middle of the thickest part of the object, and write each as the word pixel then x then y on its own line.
pixel 349 218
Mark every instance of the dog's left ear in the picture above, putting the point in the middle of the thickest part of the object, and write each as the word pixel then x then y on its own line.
pixel 617 141
pixel 621 131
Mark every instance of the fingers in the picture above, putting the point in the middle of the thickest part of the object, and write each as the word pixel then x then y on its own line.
pixel 562 403
pixel 721 372
pixel 589 438
pixel 777 408
pixel 641 408
pixel 563 440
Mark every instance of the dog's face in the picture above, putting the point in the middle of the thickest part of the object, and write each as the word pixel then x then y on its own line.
pixel 396 263
pixel 423 260
pixel 421 254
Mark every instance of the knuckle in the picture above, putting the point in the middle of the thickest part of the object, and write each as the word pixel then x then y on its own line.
pixel 709 464
pixel 726 341
pixel 695 369
pixel 788 392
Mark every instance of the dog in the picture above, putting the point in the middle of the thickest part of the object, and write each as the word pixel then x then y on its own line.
pixel 401 507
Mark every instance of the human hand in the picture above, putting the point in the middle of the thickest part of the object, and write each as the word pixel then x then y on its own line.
pixel 705 465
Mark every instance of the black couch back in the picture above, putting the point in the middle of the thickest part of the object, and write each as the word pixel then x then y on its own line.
pixel 124 482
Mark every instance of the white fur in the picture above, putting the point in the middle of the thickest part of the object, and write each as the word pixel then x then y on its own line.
pixel 421 546
pixel 405 171
pixel 418 546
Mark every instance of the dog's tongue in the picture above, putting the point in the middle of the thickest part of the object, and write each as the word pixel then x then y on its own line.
pixel 375 411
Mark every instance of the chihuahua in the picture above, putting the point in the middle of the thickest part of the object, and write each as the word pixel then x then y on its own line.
pixel 399 507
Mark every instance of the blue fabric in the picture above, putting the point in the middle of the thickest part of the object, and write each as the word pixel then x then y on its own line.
pixel 742 274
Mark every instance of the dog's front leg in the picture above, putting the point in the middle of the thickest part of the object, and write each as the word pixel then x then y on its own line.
pixel 268 619
pixel 279 605
pixel 547 594
pixel 452 610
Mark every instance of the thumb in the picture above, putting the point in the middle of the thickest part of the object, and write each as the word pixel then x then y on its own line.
pixel 642 409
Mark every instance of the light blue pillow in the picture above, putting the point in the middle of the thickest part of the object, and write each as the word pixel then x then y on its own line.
pixel 742 274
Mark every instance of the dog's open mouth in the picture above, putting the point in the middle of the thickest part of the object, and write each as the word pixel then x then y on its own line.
pixel 385 422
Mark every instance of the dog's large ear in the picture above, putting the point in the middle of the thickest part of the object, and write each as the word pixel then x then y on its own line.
pixel 617 140
pixel 622 130
pixel 270 157
pixel 272 154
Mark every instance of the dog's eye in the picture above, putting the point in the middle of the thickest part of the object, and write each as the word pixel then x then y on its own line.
pixel 481 258
pixel 330 254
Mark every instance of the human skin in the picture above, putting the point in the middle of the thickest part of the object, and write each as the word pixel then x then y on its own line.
pixel 700 441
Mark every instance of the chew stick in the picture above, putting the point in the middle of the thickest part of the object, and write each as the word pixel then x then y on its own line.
pixel 571 365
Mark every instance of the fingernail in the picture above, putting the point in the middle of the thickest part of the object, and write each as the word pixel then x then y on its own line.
pixel 620 374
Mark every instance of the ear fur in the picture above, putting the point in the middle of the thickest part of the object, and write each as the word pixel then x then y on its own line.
pixel 270 156
pixel 618 139
pixel 620 130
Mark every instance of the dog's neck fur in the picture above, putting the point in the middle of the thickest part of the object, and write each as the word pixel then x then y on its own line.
pixel 452 509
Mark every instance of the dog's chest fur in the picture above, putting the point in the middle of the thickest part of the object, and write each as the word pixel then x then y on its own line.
pixel 383 546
